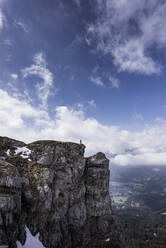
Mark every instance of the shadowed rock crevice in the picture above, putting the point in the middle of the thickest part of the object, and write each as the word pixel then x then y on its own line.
pixel 52 189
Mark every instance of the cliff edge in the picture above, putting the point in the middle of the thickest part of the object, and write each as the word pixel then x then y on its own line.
pixel 49 187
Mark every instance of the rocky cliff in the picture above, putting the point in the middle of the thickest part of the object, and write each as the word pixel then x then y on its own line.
pixel 49 187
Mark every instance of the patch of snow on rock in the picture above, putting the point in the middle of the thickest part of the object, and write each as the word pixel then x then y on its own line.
pixel 31 241
pixel 25 152
pixel 8 152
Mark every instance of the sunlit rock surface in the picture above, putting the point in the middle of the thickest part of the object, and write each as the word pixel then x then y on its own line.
pixel 48 189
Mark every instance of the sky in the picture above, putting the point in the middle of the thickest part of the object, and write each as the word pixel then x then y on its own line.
pixel 92 70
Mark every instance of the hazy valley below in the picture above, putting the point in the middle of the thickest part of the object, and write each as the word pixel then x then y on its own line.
pixel 139 201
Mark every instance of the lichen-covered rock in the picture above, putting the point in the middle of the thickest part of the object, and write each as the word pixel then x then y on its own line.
pixel 52 189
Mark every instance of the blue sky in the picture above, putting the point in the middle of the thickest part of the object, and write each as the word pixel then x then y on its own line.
pixel 91 70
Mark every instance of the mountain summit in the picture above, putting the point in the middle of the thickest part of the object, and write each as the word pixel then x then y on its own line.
pixel 50 189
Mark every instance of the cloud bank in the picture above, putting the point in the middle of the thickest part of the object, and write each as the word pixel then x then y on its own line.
pixel 21 120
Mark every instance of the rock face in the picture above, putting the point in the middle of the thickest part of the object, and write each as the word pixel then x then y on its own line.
pixel 52 189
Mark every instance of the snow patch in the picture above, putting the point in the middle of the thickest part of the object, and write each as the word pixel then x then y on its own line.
pixel 46 188
pixel 25 152
pixel 107 240
pixel 31 241
pixel 8 152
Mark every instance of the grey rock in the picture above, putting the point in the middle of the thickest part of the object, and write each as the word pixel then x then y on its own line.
pixel 56 192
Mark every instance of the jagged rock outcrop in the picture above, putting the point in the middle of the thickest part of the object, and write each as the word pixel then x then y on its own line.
pixel 52 189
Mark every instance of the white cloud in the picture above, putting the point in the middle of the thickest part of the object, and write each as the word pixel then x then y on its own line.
pixel 72 77
pixel 76 42
pixel 14 76
pixel 39 68
pixel 78 3
pixel 20 120
pixel 138 116
pixel 39 59
pixel 9 57
pixel 13 113
pixel 62 127
pixel 127 30
pixel 131 57
pixel 140 159
pixel 7 42
pixel 79 106
pixel 1 20
pixel 115 82
pixel 152 24
pixel 21 25
pixel 97 80
pixel 92 103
